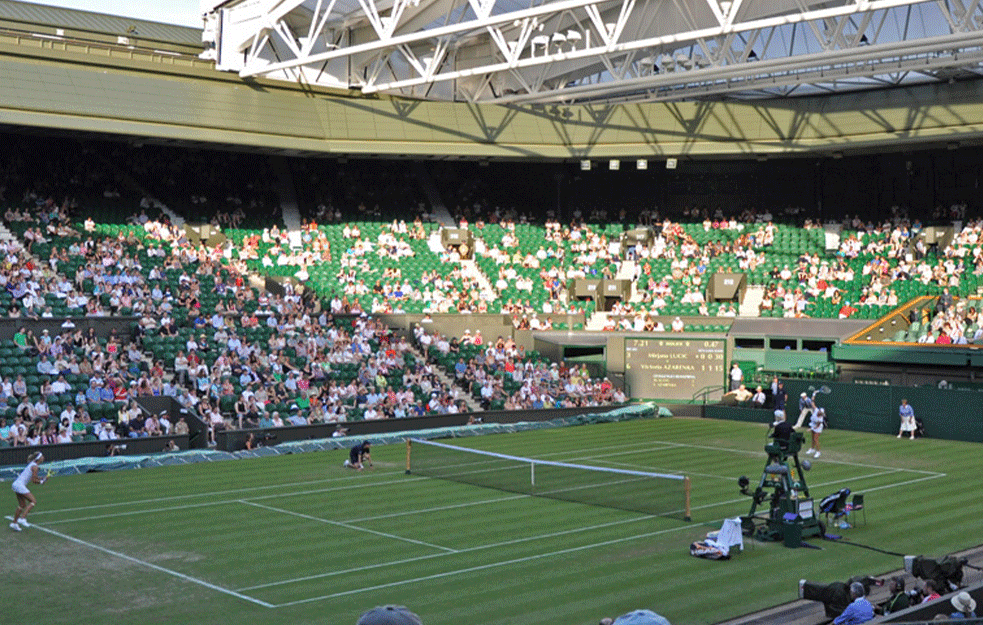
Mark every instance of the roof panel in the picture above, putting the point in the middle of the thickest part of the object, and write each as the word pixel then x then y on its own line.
pixel 30 13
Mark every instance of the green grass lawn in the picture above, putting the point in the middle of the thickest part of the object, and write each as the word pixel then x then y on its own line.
pixel 299 539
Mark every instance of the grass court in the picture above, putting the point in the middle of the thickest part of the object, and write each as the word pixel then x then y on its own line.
pixel 300 539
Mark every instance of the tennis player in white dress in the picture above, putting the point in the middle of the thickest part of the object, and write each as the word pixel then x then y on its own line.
pixel 25 500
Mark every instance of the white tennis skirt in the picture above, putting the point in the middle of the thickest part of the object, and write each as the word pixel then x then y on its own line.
pixel 20 489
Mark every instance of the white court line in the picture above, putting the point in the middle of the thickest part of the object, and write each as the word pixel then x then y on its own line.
pixel 483 567
pixel 514 561
pixel 134 502
pixel 731 477
pixel 347 526
pixel 556 534
pixel 761 453
pixel 483 502
pixel 189 506
pixel 914 481
pixel 650 446
pixel 646 446
pixel 931 475
pixel 123 556
pixel 506 543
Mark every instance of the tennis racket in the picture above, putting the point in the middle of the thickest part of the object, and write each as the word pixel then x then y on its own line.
pixel 47 475
pixel 822 390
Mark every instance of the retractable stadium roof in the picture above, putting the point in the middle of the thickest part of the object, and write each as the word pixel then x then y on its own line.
pixel 552 51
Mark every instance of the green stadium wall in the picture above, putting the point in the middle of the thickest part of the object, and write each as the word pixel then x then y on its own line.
pixel 946 413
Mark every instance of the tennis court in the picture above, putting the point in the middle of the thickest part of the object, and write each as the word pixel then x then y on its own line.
pixel 300 539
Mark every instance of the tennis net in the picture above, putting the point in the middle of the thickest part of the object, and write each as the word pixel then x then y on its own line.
pixel 656 494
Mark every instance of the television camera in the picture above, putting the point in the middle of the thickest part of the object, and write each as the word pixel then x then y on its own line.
pixel 946 575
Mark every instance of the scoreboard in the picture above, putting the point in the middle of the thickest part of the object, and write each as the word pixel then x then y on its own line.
pixel 663 368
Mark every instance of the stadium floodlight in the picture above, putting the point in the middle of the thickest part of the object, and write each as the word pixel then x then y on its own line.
pixel 585 165
pixel 642 164
pixel 614 164
pixel 671 163
pixel 656 494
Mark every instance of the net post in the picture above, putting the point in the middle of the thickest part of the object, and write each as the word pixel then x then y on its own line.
pixel 409 446
pixel 687 516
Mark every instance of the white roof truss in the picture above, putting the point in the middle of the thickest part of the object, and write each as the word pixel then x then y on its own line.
pixel 548 51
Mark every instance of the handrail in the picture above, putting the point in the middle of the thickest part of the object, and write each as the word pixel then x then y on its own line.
pixel 705 391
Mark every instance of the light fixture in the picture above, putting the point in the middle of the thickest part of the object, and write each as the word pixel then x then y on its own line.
pixel 614 164
pixel 671 163
pixel 585 165
pixel 641 164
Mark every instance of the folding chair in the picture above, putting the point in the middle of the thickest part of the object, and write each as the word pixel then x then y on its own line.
pixel 858 504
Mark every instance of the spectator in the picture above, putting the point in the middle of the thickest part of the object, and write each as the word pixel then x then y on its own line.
pixel 389 615
pixel 859 610
pixel 736 376
pixel 641 617
pixel 899 599
pixel 759 398
pixel 965 606
pixel 929 593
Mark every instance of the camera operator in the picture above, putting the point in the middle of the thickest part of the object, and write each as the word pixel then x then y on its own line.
pixel 899 599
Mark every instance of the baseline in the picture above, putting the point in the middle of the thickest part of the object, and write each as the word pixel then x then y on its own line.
pixel 150 565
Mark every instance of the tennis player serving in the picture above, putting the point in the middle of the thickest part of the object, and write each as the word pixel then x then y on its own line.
pixel 25 500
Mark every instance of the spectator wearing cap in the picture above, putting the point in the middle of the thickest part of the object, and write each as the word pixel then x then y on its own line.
pixel 295 418
pixel 806 406
pixel 389 615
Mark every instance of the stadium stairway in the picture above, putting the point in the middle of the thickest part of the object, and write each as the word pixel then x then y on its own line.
pixel 288 200
pixel 628 270
pixel 750 307
pixel 471 269
pixel 6 235
pixel 440 212
pixel 831 236
pixel 448 381
pixel 176 219
pixel 597 321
